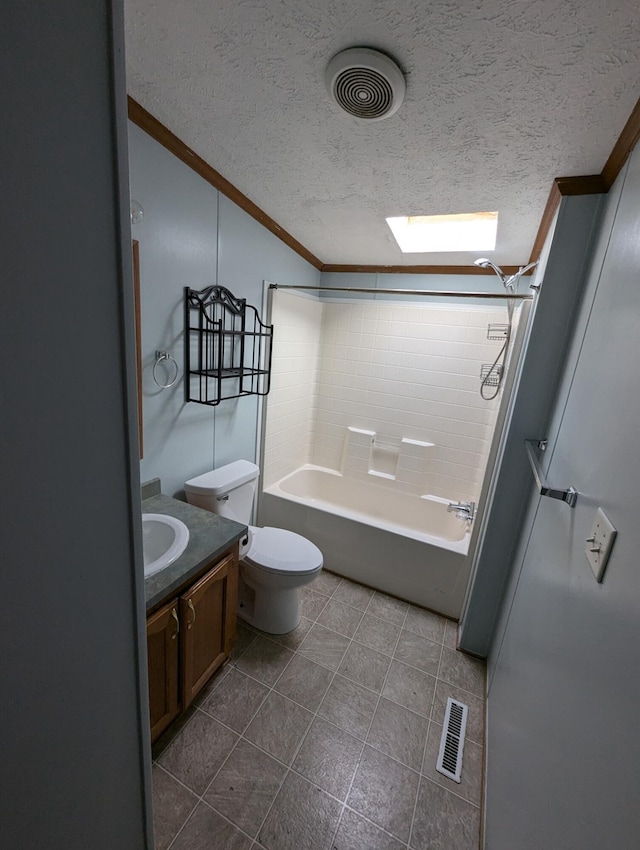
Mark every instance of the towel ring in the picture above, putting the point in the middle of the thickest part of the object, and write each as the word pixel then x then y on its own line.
pixel 160 356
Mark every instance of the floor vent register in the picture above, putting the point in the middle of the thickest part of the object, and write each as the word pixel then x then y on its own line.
pixel 452 742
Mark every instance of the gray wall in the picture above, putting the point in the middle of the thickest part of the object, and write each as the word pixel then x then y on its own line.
pixel 562 272
pixel 73 744
pixel 191 235
pixel 563 746
pixel 386 280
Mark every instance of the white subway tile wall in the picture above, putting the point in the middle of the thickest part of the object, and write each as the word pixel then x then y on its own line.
pixel 401 371
pixel 291 402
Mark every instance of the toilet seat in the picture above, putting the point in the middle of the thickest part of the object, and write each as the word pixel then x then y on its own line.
pixel 276 550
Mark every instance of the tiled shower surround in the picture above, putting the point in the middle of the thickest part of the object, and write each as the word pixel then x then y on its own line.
pixel 401 371
pixel 327 738
pixel 291 403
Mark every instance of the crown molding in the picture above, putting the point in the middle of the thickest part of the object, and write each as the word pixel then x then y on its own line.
pixel 146 121
pixel 357 269
pixel 562 186
pixel 622 148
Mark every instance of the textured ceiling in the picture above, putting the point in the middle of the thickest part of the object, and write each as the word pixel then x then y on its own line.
pixel 502 96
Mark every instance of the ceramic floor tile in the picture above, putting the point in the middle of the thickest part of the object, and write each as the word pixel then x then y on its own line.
pixel 294 638
pixel 350 706
pixel 235 700
pixel 172 805
pixel 198 751
pixel 410 687
pixel 206 830
pixel 353 594
pixel 304 682
pixel 418 652
pixel 399 733
pixel 311 603
pixel 384 791
pixel 470 785
pixel 444 821
pixel 475 715
pixel 246 786
pixel 303 817
pixel 324 647
pixel 463 671
pixel 425 623
pixel 242 779
pixel 213 683
pixel 328 757
pixel 377 634
pixel 167 738
pixel 326 583
pixel 244 638
pixel 451 634
pixel 388 608
pixel 279 727
pixel 356 833
pixel 340 617
pixel 264 660
pixel 365 666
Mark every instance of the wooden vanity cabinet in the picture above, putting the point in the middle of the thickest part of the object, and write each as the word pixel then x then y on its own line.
pixel 209 626
pixel 188 639
pixel 162 659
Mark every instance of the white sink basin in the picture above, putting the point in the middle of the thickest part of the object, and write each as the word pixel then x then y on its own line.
pixel 164 538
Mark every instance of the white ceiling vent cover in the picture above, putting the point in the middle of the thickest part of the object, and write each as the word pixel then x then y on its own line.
pixel 365 83
pixel 452 741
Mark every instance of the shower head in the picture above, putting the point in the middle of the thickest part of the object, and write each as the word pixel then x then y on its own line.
pixel 484 263
pixel 508 282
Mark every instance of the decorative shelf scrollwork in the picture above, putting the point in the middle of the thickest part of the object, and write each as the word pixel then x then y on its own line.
pixel 227 347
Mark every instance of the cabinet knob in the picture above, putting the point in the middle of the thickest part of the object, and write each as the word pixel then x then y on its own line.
pixel 174 614
pixel 193 611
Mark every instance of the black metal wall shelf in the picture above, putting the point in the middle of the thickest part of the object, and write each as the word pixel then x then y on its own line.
pixel 227 347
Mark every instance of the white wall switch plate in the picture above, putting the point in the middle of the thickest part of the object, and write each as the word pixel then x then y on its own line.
pixel 599 542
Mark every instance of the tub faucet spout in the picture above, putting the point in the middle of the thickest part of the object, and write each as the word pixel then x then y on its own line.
pixel 463 510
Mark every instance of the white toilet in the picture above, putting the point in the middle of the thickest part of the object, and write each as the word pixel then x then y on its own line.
pixel 274 563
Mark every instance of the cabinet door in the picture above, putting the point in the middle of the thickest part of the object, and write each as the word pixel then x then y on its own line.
pixel 163 655
pixel 208 617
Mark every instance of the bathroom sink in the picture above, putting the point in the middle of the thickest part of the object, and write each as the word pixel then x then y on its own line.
pixel 164 538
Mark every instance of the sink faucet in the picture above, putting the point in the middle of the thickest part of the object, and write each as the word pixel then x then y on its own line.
pixel 463 510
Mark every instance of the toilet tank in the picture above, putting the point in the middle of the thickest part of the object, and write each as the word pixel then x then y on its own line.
pixel 228 490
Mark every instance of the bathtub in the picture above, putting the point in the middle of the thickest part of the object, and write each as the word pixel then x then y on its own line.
pixel 405 545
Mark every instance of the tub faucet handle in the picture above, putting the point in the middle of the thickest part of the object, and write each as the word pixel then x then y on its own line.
pixel 463 510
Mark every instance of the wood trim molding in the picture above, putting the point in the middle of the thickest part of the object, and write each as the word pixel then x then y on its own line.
pixel 593 184
pixel 473 270
pixel 553 202
pixel 622 148
pixel 562 186
pixel 145 120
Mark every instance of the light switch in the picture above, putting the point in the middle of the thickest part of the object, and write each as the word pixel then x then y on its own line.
pixel 599 543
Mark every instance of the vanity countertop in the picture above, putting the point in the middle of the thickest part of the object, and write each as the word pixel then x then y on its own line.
pixel 210 536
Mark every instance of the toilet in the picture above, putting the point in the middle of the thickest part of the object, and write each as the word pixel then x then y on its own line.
pixel 274 563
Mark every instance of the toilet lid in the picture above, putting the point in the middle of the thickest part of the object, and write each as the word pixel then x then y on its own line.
pixel 282 551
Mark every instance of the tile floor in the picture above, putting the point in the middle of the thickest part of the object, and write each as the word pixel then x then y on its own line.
pixel 326 738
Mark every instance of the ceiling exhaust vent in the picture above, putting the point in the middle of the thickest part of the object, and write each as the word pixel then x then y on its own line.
pixel 365 83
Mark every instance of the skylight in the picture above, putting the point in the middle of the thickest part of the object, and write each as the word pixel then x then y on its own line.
pixel 422 234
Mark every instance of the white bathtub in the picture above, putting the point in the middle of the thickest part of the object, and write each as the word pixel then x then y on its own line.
pixel 405 545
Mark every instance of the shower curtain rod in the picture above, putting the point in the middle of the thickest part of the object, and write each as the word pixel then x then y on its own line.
pixel 437 292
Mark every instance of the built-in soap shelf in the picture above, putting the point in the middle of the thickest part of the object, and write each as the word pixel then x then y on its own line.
pixel 384 456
